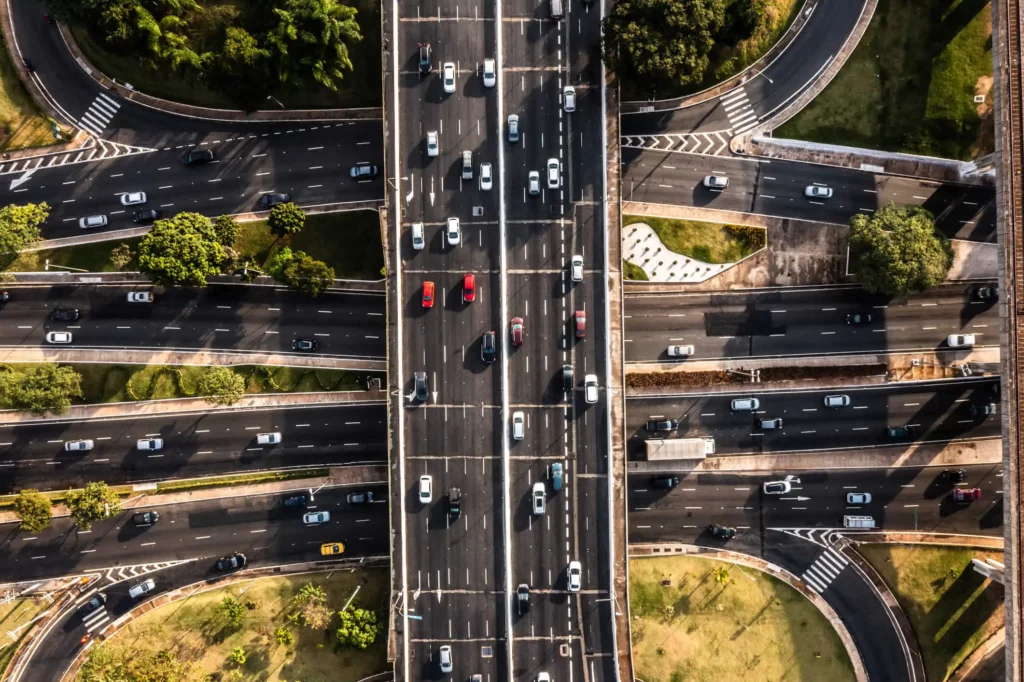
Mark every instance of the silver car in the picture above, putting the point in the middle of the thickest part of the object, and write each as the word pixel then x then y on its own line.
pixel 149 444
pixel 818 192
pixel 513 128
pixel 534 183
pixel 716 181
pixel 569 98
pixel 432 148
pixel 745 404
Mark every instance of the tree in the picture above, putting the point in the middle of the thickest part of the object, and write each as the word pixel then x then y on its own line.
pixel 241 69
pixel 897 251
pixel 129 664
pixel 284 636
pixel 19 225
pixel 721 575
pixel 226 230
pixel 358 627
pixel 313 608
pixel 306 275
pixel 662 43
pixel 43 388
pixel 121 256
pixel 238 655
pixel 92 503
pixel 221 386
pixel 285 219
pixel 233 611
pixel 311 40
pixel 182 250
pixel 34 509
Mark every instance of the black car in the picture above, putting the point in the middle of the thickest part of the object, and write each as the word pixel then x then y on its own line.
pixel 361 497
pixel 94 604
pixel 859 318
pixel 899 432
pixel 363 170
pixel 230 563
pixel 454 502
pixel 983 410
pixel 721 532
pixel 197 157
pixel 488 347
pixel 568 381
pixel 271 200
pixel 146 215
pixel 424 58
pixel 4 297
pixel 988 294
pixel 305 344
pixel 146 518
pixel 662 424
pixel 420 382
pixel 64 314
pixel 523 598
pixel 955 475
pixel 294 502
pixel 665 482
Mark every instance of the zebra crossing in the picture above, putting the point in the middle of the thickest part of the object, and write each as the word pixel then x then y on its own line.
pixel 98 115
pixel 97 150
pixel 708 144
pixel 824 570
pixel 739 111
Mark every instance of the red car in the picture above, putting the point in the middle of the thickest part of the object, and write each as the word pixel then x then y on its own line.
pixel 469 288
pixel 966 494
pixel 428 294
pixel 581 324
pixel 517 331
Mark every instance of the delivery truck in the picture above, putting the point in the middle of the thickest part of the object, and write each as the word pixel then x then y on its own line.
pixel 661 449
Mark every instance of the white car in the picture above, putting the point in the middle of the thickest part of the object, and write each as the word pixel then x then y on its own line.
pixel 432 148
pixel 534 183
pixel 58 337
pixel 489 75
pixel 716 181
pixel 569 98
pixel 448 76
pixel 518 425
pixel 960 340
pixel 314 518
pixel 140 297
pixel 780 487
pixel 446 659
pixel 136 591
pixel 426 489
pixel 93 221
pixel 149 443
pixel 418 241
pixel 818 192
pixel 539 495
pixel 590 388
pixel 268 438
pixel 858 498
pixel 78 445
pixel 837 400
pixel 133 198
pixel 577 268
pixel 485 176
pixel 575 576
pixel 680 351
pixel 554 176
pixel 453 233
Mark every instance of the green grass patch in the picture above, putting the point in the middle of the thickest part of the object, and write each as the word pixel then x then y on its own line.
pixel 708 242
pixel 349 242
pixel 22 124
pixel 951 607
pixel 633 272
pixel 93 257
pixel 910 84
pixel 197 634
pixel 13 615
pixel 689 626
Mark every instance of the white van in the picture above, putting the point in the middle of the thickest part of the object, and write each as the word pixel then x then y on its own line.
pixel 417 237
pixel 556 9
pixel 141 589
pixel 858 522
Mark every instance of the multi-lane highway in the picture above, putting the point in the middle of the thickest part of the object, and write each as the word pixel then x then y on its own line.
pixel 776 188
pixel 934 411
pixel 244 318
pixel 194 445
pixel 786 322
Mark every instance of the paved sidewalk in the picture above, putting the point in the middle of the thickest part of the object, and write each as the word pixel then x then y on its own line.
pixel 973 260
pixel 144 408
pixel 128 356
pixel 676 549
pixel 65 277
pixel 643 247
pixel 942 539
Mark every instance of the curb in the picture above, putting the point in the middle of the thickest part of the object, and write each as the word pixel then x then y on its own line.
pixel 194 357
pixel 990 646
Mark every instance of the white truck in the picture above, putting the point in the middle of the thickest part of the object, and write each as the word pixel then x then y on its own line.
pixel 858 522
pixel 661 449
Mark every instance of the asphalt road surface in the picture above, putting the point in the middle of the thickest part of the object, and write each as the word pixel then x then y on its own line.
pixel 195 445
pixel 776 188
pixel 936 411
pixel 222 317
pixel 787 322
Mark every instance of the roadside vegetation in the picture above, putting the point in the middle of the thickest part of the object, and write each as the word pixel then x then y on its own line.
pixel 248 54
pixel 663 48
pixel 703 619
pixel 911 84
pixel 22 124
pixel 633 272
pixel 270 629
pixel 897 250
pixel 15 618
pixel 708 242
pixel 952 608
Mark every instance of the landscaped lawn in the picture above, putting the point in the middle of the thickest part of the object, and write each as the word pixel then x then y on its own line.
pixel 910 84
pixel 195 632
pixel 708 242
pixel 22 124
pixel 751 627
pixel 93 257
pixel 952 608
pixel 633 272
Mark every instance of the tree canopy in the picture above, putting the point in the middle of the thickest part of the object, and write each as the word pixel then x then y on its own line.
pixel 47 387
pixel 358 627
pixel 19 225
pixel 662 43
pixel 92 503
pixel 286 219
pixel 221 386
pixel 183 250
pixel 34 509
pixel 897 250
pixel 300 272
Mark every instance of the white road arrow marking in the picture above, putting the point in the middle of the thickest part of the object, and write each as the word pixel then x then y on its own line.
pixel 431 192
pixel 23 179
pixel 798 499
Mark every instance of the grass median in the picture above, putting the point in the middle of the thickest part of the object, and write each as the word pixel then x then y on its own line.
pixel 22 124
pixel 702 619
pixel 951 607
pixel 911 84
pixel 708 242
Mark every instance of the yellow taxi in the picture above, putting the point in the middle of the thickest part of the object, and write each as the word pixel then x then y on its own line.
pixel 332 548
